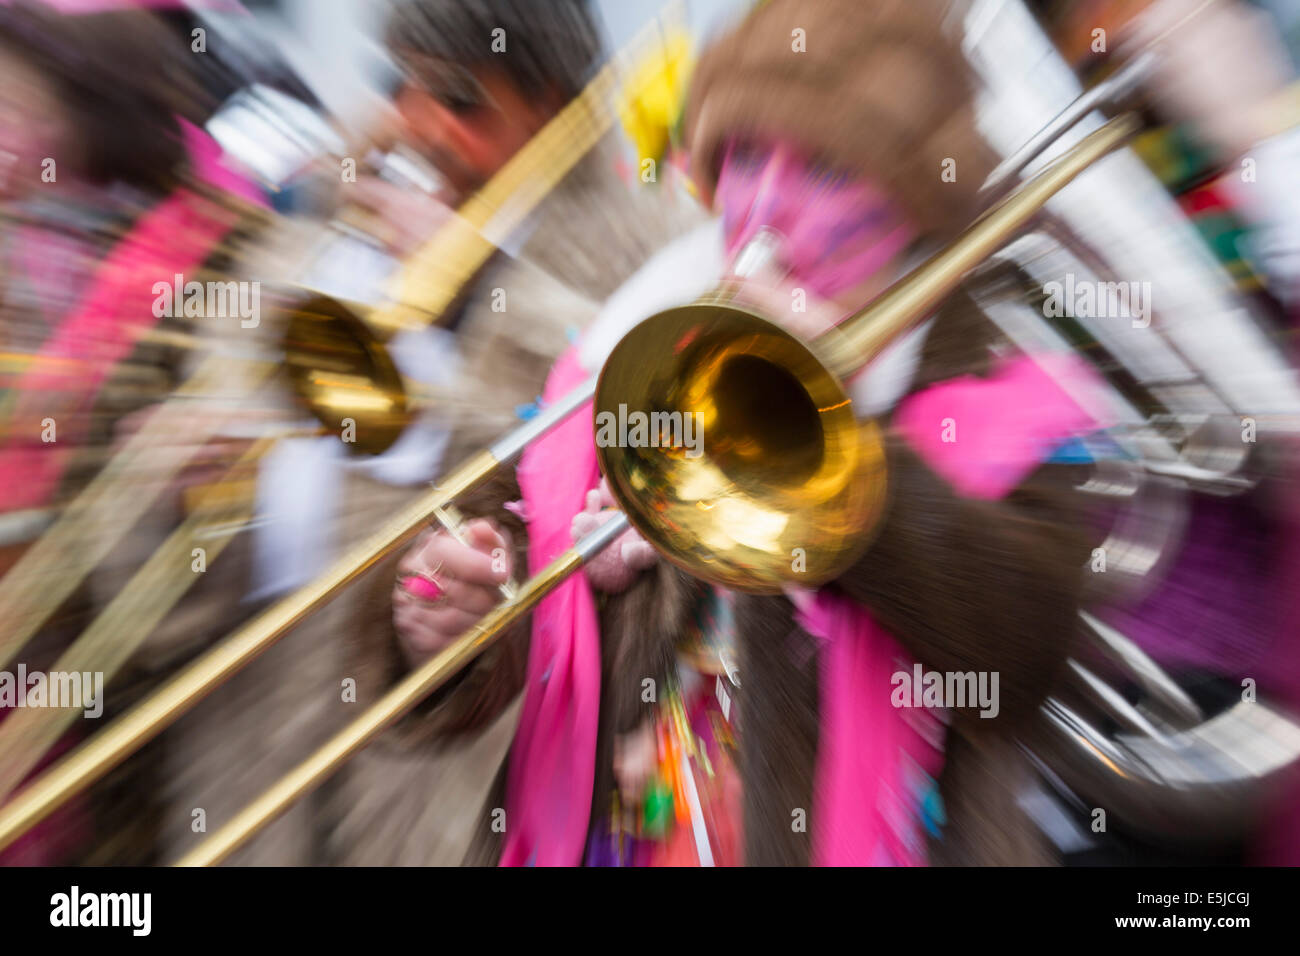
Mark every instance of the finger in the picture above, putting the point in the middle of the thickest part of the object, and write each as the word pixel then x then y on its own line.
pixel 428 629
pixel 453 622
pixel 459 561
pixel 508 541
pixel 449 591
pixel 606 498
pixel 581 524
pixel 414 591
pixel 423 641
pixel 585 522
pixel 471 597
pixel 420 553
pixel 638 553
pixel 490 539
pixel 483 535
pixel 593 501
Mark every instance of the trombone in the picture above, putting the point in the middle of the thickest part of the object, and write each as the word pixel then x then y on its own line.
pixel 335 358
pixel 725 517
pixel 335 354
pixel 728 516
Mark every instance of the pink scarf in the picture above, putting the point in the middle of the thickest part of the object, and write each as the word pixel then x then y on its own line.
pixel 838 230
pixel 874 758
pixel 553 758
pixel 870 752
pixel 173 237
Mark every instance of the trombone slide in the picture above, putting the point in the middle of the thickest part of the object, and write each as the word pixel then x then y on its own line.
pixel 147 719
pixel 397 702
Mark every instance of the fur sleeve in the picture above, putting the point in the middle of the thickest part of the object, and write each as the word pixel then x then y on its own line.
pixel 977 585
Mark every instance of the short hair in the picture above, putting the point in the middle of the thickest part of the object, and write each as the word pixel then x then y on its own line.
pixel 549 44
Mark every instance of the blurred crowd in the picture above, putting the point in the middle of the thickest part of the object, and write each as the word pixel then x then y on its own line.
pixel 240 330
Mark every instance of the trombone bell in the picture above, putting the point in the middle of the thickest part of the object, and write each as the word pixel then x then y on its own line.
pixel 789 484
pixel 735 452
pixel 340 369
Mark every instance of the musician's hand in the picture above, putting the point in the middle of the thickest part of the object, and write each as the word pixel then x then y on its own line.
pixel 409 217
pixel 615 568
pixel 444 587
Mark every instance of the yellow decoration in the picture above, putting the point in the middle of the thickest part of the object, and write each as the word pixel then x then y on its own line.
pixel 654 94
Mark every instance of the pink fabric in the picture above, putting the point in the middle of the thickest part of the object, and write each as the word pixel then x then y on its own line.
pixel 209 164
pixel 984 436
pixel 838 229
pixel 865 814
pixel 172 238
pixel 553 758
pixel 1006 426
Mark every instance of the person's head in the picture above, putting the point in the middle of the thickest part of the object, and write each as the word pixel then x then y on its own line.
pixel 97 93
pixel 846 127
pixel 835 228
pixel 481 77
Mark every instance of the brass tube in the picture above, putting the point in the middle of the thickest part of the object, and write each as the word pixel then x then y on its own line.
pixel 142 723
pixel 853 344
pixel 411 690
pixel 127 734
pixel 857 340
pixel 119 630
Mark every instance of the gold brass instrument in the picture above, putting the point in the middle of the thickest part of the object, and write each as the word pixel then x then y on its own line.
pixel 842 515
pixel 334 353
pixel 337 364
pixel 417 685
pixel 786 466
pixel 337 361
pixel 90 526
pixel 181 692
pixel 704 356
pixel 787 463
pixel 335 350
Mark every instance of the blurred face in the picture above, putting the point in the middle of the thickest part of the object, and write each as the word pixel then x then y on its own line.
pixel 32 127
pixel 469 123
pixel 841 233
